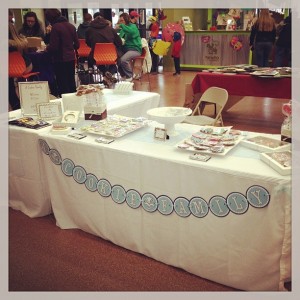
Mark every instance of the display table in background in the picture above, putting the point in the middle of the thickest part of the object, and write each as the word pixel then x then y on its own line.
pixel 28 189
pixel 243 85
pixel 147 195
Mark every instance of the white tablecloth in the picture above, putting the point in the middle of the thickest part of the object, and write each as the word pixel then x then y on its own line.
pixel 134 104
pixel 227 220
pixel 28 189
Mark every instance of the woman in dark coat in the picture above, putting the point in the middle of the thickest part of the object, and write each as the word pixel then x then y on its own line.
pixel 62 45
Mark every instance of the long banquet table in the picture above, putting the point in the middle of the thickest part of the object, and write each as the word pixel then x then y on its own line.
pixel 243 85
pixel 227 219
pixel 28 189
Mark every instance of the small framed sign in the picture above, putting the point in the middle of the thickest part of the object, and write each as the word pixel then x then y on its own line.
pixel 160 134
pixel 31 94
pixel 48 111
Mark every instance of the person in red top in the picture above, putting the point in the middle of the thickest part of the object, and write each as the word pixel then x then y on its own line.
pixel 154 27
pixel 154 30
pixel 176 52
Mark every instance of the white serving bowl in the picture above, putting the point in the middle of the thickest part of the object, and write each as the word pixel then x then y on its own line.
pixel 169 116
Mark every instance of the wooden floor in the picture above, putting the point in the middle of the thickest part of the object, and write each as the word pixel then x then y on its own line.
pixel 251 113
pixel 43 257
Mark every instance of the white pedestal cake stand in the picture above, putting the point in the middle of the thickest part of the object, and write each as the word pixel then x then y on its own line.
pixel 169 116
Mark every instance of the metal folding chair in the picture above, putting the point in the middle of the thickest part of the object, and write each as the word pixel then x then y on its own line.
pixel 213 95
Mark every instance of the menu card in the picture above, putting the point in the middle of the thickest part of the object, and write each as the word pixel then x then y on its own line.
pixel 31 94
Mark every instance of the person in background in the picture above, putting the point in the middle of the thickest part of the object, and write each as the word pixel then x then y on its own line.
pixel 283 44
pixel 176 52
pixel 114 18
pixel 132 45
pixel 82 28
pixel 262 38
pixel 16 42
pixel 47 32
pixel 62 45
pixel 100 31
pixel 32 27
pixel 134 16
pixel 97 14
pixel 154 30
pixel 11 17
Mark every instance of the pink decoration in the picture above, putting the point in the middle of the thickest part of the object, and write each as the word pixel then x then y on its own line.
pixel 287 109
pixel 236 44
pixel 205 39
pixel 233 41
pixel 168 32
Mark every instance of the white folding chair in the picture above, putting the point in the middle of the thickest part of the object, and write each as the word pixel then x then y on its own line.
pixel 212 95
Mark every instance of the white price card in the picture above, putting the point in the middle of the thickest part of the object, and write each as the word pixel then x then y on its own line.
pixel 160 134
pixel 48 111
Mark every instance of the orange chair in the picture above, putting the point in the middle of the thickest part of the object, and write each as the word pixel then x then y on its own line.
pixel 137 66
pixel 17 67
pixel 106 54
pixel 84 50
pixel 82 54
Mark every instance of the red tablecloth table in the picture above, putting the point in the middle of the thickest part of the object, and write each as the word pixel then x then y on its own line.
pixel 244 85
